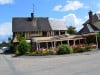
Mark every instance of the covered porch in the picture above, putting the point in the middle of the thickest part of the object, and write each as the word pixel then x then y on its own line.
pixel 54 42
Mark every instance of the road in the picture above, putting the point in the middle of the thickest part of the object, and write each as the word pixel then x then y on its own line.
pixel 75 64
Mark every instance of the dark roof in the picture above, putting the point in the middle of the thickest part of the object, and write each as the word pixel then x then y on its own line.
pixel 95 17
pixel 43 24
pixel 88 28
pixel 30 24
pixel 34 24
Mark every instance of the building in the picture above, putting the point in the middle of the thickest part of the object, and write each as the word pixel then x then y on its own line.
pixel 94 19
pixel 42 32
pixel 91 27
pixel 92 24
pixel 37 27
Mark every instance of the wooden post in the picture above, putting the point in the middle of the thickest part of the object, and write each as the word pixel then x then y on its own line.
pixel 61 42
pixel 74 42
pixel 68 42
pixel 52 44
pixel 59 32
pixel 96 42
pixel 79 41
pixel 37 46
pixel 47 44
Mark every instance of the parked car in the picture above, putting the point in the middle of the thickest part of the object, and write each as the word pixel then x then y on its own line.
pixel 6 49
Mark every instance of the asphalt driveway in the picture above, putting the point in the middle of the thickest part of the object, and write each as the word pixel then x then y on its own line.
pixel 75 64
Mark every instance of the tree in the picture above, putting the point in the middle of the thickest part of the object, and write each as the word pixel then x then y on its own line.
pixel 9 39
pixel 20 37
pixel 23 47
pixel 71 30
pixel 4 44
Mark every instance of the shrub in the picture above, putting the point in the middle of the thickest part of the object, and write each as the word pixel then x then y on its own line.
pixel 88 47
pixel 34 53
pixel 78 49
pixel 52 52
pixel 31 53
pixel 17 52
pixel 64 49
pixel 46 52
pixel 23 47
pixel 13 48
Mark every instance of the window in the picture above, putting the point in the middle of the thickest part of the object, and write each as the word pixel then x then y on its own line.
pixel 44 33
pixel 56 33
pixel 62 33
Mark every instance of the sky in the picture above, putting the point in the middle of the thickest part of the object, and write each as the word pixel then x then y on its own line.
pixel 73 12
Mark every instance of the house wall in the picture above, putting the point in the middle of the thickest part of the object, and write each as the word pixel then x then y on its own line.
pixel 29 35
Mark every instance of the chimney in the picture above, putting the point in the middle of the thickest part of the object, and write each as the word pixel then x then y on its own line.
pixel 32 15
pixel 90 16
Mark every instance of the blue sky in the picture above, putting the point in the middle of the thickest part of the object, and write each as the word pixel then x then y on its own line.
pixel 73 12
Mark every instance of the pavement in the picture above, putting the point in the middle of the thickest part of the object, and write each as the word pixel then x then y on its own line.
pixel 87 63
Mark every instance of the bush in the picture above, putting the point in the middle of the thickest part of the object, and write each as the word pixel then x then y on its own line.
pixel 79 49
pixel 46 52
pixel 64 49
pixel 52 52
pixel 40 52
pixel 12 48
pixel 88 47
pixel 31 53
pixel 23 47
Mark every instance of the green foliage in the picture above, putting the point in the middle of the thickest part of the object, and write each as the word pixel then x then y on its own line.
pixel 40 53
pixel 88 47
pixel 71 30
pixel 20 37
pixel 52 52
pixel 79 49
pixel 46 52
pixel 12 48
pixel 4 44
pixel 90 39
pixel 23 47
pixel 31 53
pixel 64 49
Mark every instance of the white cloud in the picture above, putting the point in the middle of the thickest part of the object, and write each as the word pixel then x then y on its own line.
pixel 98 5
pixel 2 2
pixel 98 11
pixel 5 29
pixel 70 5
pixel 72 20
pixel 87 17
pixel 57 8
